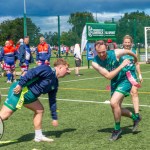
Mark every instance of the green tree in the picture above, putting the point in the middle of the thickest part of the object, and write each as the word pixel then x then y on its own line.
pixel 69 38
pixel 13 29
pixel 78 21
pixel 133 24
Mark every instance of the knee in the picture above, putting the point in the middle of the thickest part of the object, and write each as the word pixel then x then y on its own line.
pixel 39 111
pixel 113 104
pixel 134 93
pixel 4 116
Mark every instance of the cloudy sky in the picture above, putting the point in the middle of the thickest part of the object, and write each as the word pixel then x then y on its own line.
pixel 44 12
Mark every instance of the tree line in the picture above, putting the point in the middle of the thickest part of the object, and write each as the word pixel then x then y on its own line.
pixel 131 23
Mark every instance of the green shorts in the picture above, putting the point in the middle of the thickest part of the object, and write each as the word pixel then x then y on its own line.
pixel 122 86
pixel 13 98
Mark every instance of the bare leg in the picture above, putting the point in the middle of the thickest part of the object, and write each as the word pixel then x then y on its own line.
pixel 135 99
pixel 14 74
pixel 115 103
pixel 38 109
pixel 5 112
pixel 77 70
pixel 126 112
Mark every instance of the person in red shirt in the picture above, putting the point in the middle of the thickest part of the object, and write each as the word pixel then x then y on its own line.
pixel 9 55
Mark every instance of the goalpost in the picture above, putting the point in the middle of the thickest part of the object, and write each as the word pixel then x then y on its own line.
pixel 147 43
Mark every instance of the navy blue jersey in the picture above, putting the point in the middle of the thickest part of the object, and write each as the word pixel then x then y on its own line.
pixel 42 80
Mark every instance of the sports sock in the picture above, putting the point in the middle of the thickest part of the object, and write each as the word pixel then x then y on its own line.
pixel 12 77
pixel 133 116
pixel 38 133
pixel 137 115
pixel 117 125
pixel 9 76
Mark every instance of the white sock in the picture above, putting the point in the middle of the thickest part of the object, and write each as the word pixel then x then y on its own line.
pixel 38 133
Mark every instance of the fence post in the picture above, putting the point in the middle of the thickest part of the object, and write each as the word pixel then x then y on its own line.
pixel 58 36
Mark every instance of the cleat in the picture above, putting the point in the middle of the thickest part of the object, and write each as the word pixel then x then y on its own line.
pixel 115 135
pixel 43 139
pixel 136 123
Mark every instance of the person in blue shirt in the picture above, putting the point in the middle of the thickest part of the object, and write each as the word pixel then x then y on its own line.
pixel 40 80
pixel 25 56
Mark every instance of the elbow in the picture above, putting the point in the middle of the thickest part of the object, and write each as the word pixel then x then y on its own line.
pixel 108 77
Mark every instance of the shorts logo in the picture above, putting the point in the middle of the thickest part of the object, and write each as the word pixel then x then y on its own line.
pixel 119 88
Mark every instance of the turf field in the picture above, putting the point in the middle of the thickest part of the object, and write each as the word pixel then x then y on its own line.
pixel 85 120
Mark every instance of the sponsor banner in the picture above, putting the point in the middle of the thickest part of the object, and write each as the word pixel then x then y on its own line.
pixel 100 31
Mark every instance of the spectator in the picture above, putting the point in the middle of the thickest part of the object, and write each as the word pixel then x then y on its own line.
pixel 25 56
pixel 8 55
pixel 43 53
pixel 111 45
pixel 77 57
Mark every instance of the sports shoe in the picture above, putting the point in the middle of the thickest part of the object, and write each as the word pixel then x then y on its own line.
pixel 135 123
pixel 115 135
pixel 14 80
pixel 43 139
pixel 8 81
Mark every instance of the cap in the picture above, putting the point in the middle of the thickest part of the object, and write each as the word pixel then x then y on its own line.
pixel 109 40
pixel 21 40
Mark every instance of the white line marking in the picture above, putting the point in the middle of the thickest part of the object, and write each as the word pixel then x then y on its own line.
pixel 84 101
pixel 4 88
pixel 88 79
pixel 95 102
pixel 146 72
pixel 81 79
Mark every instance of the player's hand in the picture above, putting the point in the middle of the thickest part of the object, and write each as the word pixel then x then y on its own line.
pixel 46 61
pixel 17 89
pixel 55 123
pixel 140 78
pixel 125 63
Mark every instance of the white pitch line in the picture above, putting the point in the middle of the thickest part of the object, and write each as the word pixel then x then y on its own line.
pixel 81 79
pixel 4 88
pixel 83 101
pixel 88 79
pixel 146 72
pixel 95 102
pixel 105 102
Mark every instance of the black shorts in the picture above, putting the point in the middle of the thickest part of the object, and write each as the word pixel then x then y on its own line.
pixel 78 62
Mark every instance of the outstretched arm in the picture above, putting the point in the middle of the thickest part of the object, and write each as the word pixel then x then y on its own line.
pixel 121 52
pixel 109 75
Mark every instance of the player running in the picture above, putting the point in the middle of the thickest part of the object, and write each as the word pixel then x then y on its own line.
pixel 131 70
pixel 107 64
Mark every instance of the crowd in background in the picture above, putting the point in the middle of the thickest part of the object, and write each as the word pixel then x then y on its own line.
pixel 22 52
